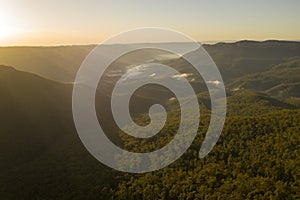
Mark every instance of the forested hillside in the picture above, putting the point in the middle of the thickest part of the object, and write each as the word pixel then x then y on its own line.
pixel 256 157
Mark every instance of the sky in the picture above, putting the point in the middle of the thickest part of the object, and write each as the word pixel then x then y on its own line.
pixel 61 22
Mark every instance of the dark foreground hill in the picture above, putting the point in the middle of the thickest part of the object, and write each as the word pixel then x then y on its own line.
pixel 40 152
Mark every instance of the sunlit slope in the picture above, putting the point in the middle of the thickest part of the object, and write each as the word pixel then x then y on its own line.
pixel 56 63
pixel 281 80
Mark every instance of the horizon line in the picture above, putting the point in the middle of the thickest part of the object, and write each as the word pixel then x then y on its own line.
pixel 207 42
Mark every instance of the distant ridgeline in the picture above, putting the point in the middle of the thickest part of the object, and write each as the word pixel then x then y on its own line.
pixel 270 66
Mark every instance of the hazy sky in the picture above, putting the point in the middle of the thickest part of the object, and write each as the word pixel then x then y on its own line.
pixel 53 22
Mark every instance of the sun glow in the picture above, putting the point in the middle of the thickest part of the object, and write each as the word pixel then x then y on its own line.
pixel 8 26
